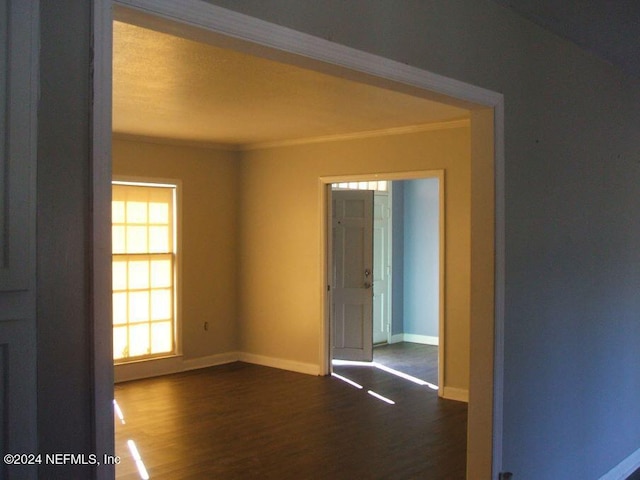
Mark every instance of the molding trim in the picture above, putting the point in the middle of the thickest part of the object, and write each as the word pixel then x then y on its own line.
pixel 176 142
pixel 423 339
pixel 281 363
pixel 414 338
pixel 157 367
pixel 625 468
pixel 427 127
pixel 458 394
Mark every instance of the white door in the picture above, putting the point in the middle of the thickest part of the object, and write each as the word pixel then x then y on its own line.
pixel 18 96
pixel 352 282
pixel 381 267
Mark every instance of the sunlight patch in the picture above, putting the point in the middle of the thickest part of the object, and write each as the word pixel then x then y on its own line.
pixel 390 370
pixel 139 463
pixel 344 379
pixel 380 397
pixel 116 408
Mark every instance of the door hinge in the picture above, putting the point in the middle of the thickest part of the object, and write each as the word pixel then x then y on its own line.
pixel 328 288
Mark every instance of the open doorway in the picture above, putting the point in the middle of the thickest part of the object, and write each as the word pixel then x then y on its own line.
pixel 385 273
pixel 298 349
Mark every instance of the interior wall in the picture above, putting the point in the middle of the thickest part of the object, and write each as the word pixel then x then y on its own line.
pixel 281 237
pixel 397 258
pixel 209 224
pixel 421 240
pixel 571 180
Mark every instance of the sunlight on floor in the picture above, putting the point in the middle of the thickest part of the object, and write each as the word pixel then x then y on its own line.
pixel 116 408
pixel 380 397
pixel 345 379
pixel 390 370
pixel 139 463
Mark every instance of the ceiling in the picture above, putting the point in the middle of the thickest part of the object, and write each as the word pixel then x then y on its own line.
pixel 172 88
pixel 609 29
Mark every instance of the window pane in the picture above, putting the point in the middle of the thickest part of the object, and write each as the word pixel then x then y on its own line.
pixel 161 274
pixel 139 339
pixel 139 274
pixel 161 308
pixel 136 239
pixel 138 306
pixel 136 212
pixel 159 240
pixel 117 212
pixel 118 244
pixel 120 343
pixel 119 275
pixel 158 213
pixel 120 308
pixel 161 337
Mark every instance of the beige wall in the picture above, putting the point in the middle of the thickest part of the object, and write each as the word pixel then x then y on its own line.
pixel 281 237
pixel 252 238
pixel 209 235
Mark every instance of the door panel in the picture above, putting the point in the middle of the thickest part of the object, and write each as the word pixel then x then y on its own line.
pixel 352 246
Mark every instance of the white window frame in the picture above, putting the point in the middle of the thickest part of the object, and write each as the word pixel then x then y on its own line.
pixel 177 269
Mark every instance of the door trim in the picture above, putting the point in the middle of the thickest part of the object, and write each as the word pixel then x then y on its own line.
pixel 327 252
pixel 202 21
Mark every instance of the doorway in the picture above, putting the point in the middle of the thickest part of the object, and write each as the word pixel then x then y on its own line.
pixel 370 68
pixel 391 232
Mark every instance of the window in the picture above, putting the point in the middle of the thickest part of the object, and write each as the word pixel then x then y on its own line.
pixel 378 186
pixel 144 266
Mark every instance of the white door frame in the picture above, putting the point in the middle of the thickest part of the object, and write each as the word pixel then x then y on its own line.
pixel 204 22
pixel 325 201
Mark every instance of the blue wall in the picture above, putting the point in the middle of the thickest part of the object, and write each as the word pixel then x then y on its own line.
pixel 397 258
pixel 415 257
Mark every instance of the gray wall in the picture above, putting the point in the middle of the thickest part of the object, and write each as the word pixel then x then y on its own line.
pixel 572 152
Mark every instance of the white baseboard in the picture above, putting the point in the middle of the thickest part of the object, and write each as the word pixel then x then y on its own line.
pixel 624 468
pixel 168 365
pixel 291 365
pixel 459 394
pixel 413 338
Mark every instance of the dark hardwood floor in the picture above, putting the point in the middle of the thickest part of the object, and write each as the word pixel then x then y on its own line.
pixel 242 421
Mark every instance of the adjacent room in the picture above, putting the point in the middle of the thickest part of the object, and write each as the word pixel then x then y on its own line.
pixel 222 164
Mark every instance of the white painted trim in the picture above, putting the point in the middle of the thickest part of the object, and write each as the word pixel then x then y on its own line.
pixel 281 363
pixel 157 367
pixel 423 339
pixel 169 365
pixel 458 394
pixel 625 468
pixel 205 22
pixel 414 338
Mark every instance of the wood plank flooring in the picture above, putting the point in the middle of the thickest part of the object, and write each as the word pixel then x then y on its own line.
pixel 242 421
